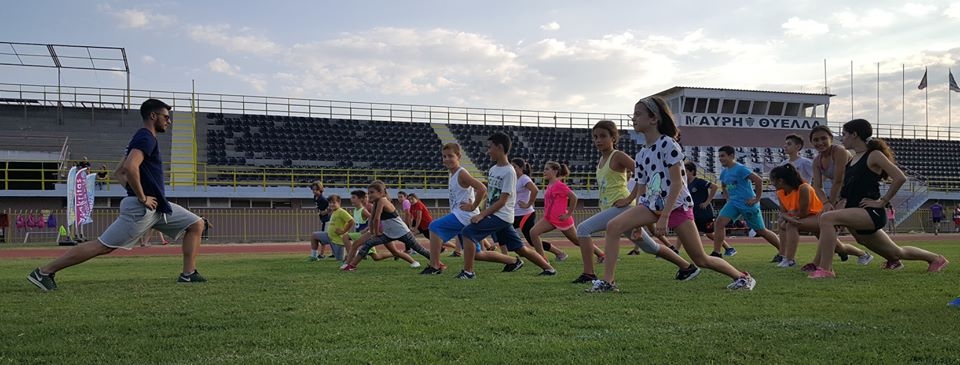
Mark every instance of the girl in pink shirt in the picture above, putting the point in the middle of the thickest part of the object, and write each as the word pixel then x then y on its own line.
pixel 559 203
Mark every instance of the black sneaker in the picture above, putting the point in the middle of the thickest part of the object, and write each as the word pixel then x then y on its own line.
pixel 585 278
pixel 633 252
pixel 716 254
pixel 600 286
pixel 689 273
pixel 429 270
pixel 843 256
pixel 548 273
pixel 463 275
pixel 44 282
pixel 514 266
pixel 455 254
pixel 195 277
pixel 777 258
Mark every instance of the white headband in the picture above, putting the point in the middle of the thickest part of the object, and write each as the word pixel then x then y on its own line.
pixel 651 106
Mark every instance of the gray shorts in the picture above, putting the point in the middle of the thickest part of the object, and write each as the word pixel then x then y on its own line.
pixel 135 220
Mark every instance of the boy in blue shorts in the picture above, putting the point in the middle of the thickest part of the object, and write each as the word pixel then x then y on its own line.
pixel 497 219
pixel 463 189
pixel 736 181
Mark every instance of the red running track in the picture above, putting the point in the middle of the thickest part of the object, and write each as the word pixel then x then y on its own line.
pixel 12 251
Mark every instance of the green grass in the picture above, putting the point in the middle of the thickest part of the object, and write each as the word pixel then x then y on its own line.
pixel 280 309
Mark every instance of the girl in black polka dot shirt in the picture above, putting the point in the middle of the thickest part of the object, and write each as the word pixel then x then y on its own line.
pixel 666 202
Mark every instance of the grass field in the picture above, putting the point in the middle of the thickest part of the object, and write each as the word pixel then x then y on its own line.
pixel 277 308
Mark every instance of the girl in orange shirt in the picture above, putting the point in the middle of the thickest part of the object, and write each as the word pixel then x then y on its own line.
pixel 800 209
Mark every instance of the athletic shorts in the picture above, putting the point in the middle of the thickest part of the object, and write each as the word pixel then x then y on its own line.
pixel 937 219
pixel 879 218
pixel 135 220
pixel 502 232
pixel 750 214
pixel 447 227
pixel 679 216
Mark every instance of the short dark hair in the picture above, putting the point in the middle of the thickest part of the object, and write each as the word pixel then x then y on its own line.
pixel 360 194
pixel 796 139
pixel 501 139
pixel 690 166
pixel 152 106
pixel 728 150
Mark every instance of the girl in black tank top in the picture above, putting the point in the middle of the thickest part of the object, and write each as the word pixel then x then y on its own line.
pixel 863 212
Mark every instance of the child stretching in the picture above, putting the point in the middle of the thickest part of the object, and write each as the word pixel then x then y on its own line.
pixel 525 215
pixel 667 203
pixel 800 211
pixel 497 218
pixel 354 240
pixel 559 202
pixel 390 228
pixel 337 228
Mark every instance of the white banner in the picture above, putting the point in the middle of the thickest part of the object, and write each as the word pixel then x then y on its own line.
pixel 91 194
pixel 747 121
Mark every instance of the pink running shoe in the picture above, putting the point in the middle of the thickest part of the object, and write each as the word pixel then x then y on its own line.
pixel 811 267
pixel 892 265
pixel 821 273
pixel 938 264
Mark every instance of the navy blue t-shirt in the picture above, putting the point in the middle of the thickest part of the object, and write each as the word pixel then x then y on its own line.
pixel 151 169
pixel 322 204
pixel 700 191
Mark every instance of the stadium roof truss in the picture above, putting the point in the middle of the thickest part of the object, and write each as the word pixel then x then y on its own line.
pixel 66 56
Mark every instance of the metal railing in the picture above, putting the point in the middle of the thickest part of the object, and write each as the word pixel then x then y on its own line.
pixel 114 98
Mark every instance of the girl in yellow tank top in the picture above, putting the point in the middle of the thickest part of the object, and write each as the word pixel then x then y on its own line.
pixel 800 209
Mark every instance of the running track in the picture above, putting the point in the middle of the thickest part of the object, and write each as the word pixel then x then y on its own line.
pixel 15 251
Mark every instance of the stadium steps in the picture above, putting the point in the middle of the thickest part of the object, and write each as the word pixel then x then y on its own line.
pixel 183 150
pixel 446 136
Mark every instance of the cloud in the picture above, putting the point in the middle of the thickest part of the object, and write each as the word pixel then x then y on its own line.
pixel 918 10
pixel 221 66
pixel 138 19
pixel 805 29
pixel 550 26
pixel 953 11
pixel 149 60
pixel 221 36
pixel 864 22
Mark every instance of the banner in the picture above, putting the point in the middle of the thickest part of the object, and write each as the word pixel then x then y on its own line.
pixel 747 121
pixel 72 197
pixel 82 208
pixel 91 192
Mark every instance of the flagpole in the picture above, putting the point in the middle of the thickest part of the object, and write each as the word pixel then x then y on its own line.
pixel 851 89
pixel 878 94
pixel 926 109
pixel 949 114
pixel 903 97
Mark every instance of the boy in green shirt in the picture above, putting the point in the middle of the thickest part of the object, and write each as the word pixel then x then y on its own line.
pixel 341 222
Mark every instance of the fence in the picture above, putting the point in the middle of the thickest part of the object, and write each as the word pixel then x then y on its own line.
pixel 240 225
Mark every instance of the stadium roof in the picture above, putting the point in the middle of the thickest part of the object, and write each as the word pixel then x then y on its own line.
pixel 79 57
pixel 677 88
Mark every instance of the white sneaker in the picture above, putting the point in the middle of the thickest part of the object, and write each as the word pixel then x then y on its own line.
pixel 865 259
pixel 745 282
pixel 344 266
pixel 562 257
pixel 415 264
pixel 786 263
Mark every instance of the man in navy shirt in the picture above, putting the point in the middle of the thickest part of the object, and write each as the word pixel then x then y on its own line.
pixel 144 208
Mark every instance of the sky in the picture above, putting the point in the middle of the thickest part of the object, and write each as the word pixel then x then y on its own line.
pixel 596 56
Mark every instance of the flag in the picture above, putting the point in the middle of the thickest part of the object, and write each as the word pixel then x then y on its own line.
pixel 923 81
pixel 953 83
